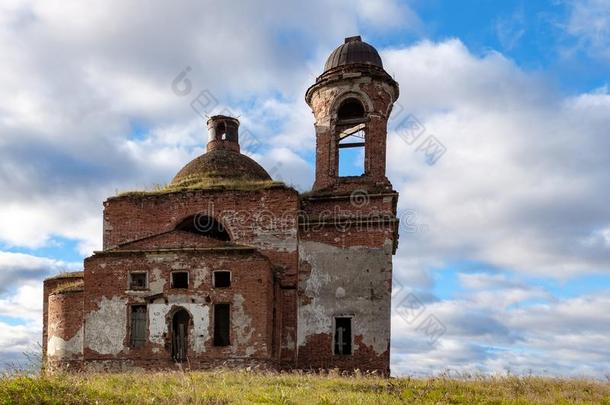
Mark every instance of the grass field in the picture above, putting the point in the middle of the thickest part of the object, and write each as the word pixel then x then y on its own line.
pixel 227 387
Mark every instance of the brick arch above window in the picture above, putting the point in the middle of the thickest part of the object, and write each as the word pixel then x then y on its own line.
pixel 206 225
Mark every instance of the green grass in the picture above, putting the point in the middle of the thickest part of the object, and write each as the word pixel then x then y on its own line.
pixel 228 387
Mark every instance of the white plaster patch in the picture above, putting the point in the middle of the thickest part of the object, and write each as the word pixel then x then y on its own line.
pixel 283 242
pixel 57 347
pixel 199 276
pixel 366 271
pixel 157 282
pixel 201 323
pixel 242 325
pixel 179 266
pixel 158 327
pixel 106 328
pixel 161 257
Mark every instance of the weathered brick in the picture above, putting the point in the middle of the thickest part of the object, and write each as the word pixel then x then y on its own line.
pixel 297 262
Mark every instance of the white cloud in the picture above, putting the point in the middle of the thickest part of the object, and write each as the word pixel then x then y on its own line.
pixel 567 337
pixel 21 278
pixel 386 14
pixel 15 340
pixel 19 268
pixel 589 23
pixel 521 183
pixel 25 304
pixel 80 78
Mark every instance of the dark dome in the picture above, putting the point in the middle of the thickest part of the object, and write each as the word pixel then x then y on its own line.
pixel 353 51
pixel 220 164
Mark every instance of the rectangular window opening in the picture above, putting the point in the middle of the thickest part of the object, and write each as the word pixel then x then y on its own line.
pixel 351 152
pixel 137 281
pixel 222 324
pixel 222 279
pixel 180 279
pixel 343 336
pixel 138 325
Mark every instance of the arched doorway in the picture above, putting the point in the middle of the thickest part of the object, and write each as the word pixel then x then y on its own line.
pixel 180 327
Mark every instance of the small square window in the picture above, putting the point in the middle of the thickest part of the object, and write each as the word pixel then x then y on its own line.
pixel 222 279
pixel 180 279
pixel 137 281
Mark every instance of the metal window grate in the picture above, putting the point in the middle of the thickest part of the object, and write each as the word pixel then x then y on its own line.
pixel 343 336
pixel 138 325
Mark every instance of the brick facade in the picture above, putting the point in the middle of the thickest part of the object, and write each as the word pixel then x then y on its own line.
pixel 310 274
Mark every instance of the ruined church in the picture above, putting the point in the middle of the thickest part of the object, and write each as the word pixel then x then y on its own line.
pixel 227 267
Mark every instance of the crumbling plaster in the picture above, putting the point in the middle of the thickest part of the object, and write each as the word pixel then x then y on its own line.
pixel 57 347
pixel 106 328
pixel 158 322
pixel 352 281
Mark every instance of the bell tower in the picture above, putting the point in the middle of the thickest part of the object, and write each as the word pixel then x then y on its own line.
pixel 351 102
pixel 348 230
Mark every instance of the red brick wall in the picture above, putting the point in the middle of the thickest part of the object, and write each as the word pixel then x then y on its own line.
pixel 129 218
pixel 265 219
pixel 65 314
pixel 49 285
pixel 367 222
pixel 318 354
pixel 350 220
pixel 378 91
pixel 106 275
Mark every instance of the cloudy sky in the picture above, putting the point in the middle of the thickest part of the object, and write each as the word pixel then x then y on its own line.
pixel 508 239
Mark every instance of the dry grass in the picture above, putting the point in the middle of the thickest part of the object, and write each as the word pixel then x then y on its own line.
pixel 228 387
pixel 72 286
pixel 211 183
pixel 67 274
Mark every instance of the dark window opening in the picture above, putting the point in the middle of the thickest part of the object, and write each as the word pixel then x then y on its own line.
pixel 137 281
pixel 222 324
pixel 204 225
pixel 180 324
pixel 138 325
pixel 222 279
pixel 343 336
pixel 350 109
pixel 180 279
pixel 221 131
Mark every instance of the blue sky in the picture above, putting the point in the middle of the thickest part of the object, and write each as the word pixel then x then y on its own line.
pixel 511 248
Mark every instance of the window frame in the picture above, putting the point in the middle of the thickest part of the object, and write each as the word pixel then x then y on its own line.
pixel 351 337
pixel 188 279
pixel 214 337
pixel 347 146
pixel 222 271
pixel 144 339
pixel 129 281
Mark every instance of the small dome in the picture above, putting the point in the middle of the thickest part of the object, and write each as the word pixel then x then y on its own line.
pixel 353 51
pixel 219 165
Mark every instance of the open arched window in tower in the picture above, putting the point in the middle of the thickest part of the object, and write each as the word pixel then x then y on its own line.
pixel 221 131
pixel 350 129
pixel 204 225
